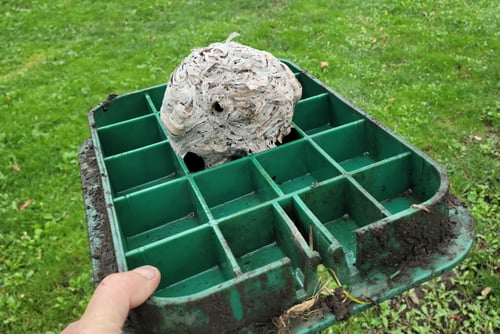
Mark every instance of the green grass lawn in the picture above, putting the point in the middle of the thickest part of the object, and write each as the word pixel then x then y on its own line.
pixel 429 71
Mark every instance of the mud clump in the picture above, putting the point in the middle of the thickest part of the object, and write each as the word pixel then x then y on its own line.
pixel 406 242
pixel 338 304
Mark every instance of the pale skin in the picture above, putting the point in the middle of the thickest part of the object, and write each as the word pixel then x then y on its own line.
pixel 113 298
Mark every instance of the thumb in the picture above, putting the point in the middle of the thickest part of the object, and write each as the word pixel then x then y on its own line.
pixel 114 297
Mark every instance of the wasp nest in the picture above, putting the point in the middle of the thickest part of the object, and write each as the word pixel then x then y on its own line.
pixel 228 100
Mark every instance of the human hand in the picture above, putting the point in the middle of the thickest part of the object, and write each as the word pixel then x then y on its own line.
pixel 113 298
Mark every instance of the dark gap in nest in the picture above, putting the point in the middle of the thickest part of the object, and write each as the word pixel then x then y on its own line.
pixel 293 135
pixel 237 155
pixel 194 162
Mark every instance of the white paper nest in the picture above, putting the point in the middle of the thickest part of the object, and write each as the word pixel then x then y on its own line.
pixel 228 100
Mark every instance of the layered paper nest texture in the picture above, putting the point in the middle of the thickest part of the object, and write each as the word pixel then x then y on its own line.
pixel 228 100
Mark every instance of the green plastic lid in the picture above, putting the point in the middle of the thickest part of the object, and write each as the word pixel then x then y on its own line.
pixel 240 243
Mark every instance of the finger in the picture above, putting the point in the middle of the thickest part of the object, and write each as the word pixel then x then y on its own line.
pixel 116 295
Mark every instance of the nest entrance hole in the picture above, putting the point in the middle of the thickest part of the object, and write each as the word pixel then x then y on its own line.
pixel 194 162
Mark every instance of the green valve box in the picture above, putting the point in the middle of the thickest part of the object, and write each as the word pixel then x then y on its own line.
pixel 240 243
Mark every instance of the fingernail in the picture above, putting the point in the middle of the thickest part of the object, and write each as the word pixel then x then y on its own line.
pixel 148 272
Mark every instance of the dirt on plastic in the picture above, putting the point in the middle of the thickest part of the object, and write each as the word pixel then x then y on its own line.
pixel 409 234
pixel 99 233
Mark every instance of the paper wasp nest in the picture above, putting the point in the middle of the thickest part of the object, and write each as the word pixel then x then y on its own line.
pixel 228 100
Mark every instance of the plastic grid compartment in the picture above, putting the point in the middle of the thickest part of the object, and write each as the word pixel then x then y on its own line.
pixel 247 236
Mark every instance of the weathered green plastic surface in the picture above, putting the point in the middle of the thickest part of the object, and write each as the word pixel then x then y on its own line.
pixel 234 242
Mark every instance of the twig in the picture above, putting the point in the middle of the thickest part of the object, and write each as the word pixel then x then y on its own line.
pixel 311 240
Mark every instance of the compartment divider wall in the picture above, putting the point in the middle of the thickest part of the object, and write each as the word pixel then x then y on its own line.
pixel 226 250
pixel 330 249
pixel 266 176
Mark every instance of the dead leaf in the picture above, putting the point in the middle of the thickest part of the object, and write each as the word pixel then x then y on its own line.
pixel 422 207
pixel 16 168
pixel 23 206
pixel 297 311
pixel 414 298
pixel 324 64
pixel 302 307
pixel 374 41
pixel 485 292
